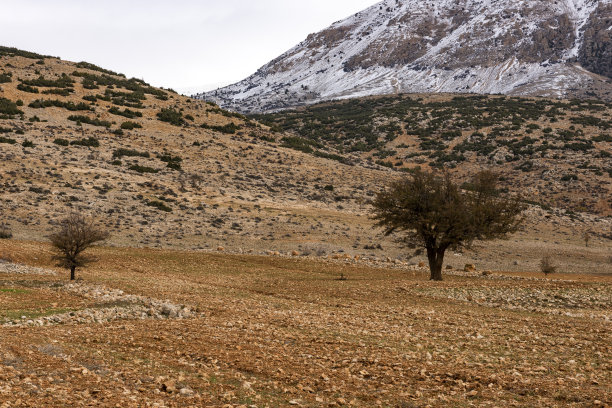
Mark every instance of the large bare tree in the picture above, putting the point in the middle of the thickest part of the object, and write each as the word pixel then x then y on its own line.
pixel 74 235
pixel 436 213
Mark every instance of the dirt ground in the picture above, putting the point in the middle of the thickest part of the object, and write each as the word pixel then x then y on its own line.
pixel 278 331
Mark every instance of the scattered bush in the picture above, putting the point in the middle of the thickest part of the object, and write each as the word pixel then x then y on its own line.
pixel 143 169
pixel 119 153
pixel 14 52
pixel 5 232
pixel 547 265
pixel 87 65
pixel 6 77
pixel 130 114
pixel 130 125
pixel 159 205
pixel 229 128
pixel 45 103
pixel 8 108
pixel 171 116
pixel 27 88
pixel 89 142
pixel 27 143
pixel 7 140
pixel 61 142
pixel 91 121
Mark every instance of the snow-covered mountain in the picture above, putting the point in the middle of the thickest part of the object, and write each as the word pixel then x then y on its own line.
pixel 553 48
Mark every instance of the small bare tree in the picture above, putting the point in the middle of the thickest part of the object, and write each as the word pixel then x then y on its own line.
pixel 587 238
pixel 547 265
pixel 75 234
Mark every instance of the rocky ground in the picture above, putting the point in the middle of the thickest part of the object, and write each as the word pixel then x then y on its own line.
pixel 271 331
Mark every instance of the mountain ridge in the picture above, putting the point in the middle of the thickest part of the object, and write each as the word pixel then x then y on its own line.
pixel 487 47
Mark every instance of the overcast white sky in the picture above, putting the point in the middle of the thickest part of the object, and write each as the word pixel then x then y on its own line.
pixel 186 45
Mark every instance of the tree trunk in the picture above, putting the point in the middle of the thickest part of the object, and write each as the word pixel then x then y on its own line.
pixel 72 268
pixel 436 259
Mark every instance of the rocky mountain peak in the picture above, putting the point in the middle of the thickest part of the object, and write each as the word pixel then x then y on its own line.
pixel 546 48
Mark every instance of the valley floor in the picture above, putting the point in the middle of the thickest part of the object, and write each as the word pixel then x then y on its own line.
pixel 168 328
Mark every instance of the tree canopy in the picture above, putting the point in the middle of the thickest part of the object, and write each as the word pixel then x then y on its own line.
pixel 433 211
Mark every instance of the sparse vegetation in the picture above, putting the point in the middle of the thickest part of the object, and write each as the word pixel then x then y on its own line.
pixel 171 116
pixel 143 169
pixel 130 125
pixel 79 119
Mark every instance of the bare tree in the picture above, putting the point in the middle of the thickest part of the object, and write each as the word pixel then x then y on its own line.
pixel 75 234
pixel 547 266
pixel 436 213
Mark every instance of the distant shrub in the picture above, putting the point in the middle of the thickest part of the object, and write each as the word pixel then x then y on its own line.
pixel 143 169
pixel 130 125
pixel 8 108
pixel 173 162
pixel 159 205
pixel 6 77
pixel 89 142
pixel 87 65
pixel 7 140
pixel 91 121
pixel 5 232
pixel 61 142
pixel 27 143
pixel 171 116
pixel 229 128
pixel 63 82
pixel 547 266
pixel 58 91
pixel 569 177
pixel 119 153
pixel 130 114
pixel 11 52
pixel 45 103
pixel 27 88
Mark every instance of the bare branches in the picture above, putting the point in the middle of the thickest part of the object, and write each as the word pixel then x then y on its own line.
pixel 75 235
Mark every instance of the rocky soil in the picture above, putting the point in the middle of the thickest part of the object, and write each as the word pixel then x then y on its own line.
pixel 271 331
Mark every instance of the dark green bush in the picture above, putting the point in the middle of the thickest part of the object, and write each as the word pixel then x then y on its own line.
pixel 27 143
pixel 171 116
pixel 130 125
pixel 61 142
pixel 45 103
pixel 143 169
pixel 6 77
pixel 27 88
pixel 7 140
pixel 119 153
pixel 87 65
pixel 89 142
pixel 8 108
pixel 90 121
pixel 229 128
pixel 130 114
pixel 14 52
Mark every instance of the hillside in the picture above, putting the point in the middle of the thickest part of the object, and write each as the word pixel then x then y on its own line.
pixel 161 170
pixel 557 153
pixel 78 138
pixel 553 49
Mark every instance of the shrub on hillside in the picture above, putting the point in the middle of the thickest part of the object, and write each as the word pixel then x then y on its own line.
pixel 171 116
